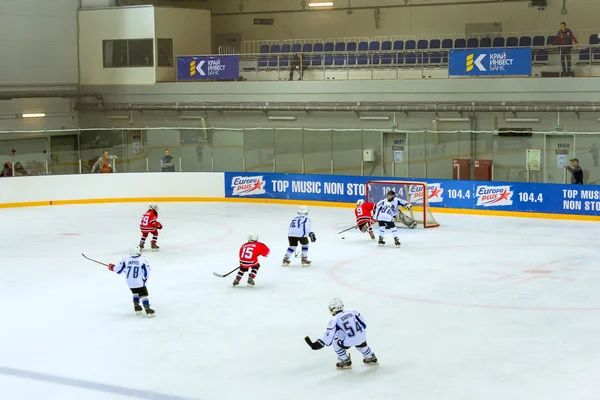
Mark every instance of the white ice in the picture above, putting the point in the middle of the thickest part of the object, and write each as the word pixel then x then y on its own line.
pixel 480 308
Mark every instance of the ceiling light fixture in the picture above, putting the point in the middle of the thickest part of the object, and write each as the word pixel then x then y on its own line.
pixel 442 119
pixel 33 115
pixel 516 119
pixel 282 118
pixel 321 4
pixel 374 117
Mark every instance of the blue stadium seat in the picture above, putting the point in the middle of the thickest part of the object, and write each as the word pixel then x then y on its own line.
pixel 339 60
pixel 499 42
pixel 387 45
pixel 447 44
pixel 340 46
pixel 410 45
pixel 525 41
pixel 328 60
pixel 363 46
pixel 286 48
pixel 316 61
pixel 512 41
pixel 362 59
pixel 550 40
pixel 262 62
pixel 422 44
pixel 275 48
pixel 264 48
pixel 386 59
pixel 435 44
pixel 486 42
pixel 318 48
pixel 435 58
pixel 538 41
pixel 374 46
pixel 284 61
pixel 351 62
pixel 273 61
pixel 351 46
pixel 307 48
pixel 596 56
pixel 594 39
pixel 472 43
pixel 296 47
pixel 328 47
pixel 399 45
pixel 584 56
pixel 460 44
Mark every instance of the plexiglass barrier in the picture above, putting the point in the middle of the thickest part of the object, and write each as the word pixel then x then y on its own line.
pixel 464 155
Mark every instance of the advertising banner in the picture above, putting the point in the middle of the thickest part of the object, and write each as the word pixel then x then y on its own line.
pixel 490 62
pixel 208 68
pixel 475 195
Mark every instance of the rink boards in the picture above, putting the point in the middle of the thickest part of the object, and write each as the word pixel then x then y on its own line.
pixel 470 197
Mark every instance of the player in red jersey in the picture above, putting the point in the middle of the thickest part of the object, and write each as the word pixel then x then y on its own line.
pixel 249 253
pixel 364 212
pixel 150 225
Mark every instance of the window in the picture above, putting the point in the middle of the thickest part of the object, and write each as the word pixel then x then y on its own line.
pixel 128 53
pixel 164 48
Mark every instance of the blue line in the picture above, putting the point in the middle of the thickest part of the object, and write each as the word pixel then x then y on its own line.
pixel 87 385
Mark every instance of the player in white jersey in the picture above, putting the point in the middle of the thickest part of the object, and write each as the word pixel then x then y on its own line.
pixel 346 329
pixel 136 270
pixel 300 230
pixel 385 214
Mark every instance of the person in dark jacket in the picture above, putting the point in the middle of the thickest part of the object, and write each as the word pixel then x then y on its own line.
pixel 166 163
pixel 576 171
pixel 300 63
pixel 7 170
pixel 565 38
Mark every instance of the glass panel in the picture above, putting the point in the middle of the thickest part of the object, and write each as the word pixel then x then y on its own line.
pixel 347 153
pixel 372 141
pixel 196 150
pixel 164 150
pixel 141 52
pixel 228 147
pixel 586 150
pixel 288 151
pixel 559 150
pixel 416 156
pixel 316 148
pixel 484 149
pixel 164 48
pixel 94 145
pixel 115 53
pixel 441 149
pixel 259 150
pixel 132 154
pixel 64 155
pixel 509 158
pixel 24 157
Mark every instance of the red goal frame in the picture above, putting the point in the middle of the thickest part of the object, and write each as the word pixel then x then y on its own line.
pixel 425 205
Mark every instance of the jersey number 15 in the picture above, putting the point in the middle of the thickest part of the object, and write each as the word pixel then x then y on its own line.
pixel 247 253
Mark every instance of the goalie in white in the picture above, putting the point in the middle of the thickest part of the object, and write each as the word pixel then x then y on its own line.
pixel 387 211
pixel 346 329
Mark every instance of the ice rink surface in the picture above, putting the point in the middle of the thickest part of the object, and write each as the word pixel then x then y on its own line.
pixel 480 308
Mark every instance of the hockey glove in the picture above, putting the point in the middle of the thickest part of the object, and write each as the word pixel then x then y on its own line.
pixel 408 206
pixel 111 267
pixel 312 236
pixel 318 345
pixel 158 225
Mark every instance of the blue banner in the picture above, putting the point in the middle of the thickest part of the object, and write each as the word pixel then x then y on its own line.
pixel 475 195
pixel 208 68
pixel 490 62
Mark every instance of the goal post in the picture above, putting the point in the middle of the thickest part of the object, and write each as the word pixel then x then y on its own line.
pixel 416 193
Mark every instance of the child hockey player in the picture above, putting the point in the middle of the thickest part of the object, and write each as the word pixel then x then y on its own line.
pixel 346 329
pixel 249 253
pixel 299 231
pixel 136 270
pixel 364 217
pixel 387 210
pixel 150 225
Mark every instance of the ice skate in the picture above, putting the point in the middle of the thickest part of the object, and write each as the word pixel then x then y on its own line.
pixel 236 282
pixel 285 262
pixel 396 242
pixel 306 262
pixel 344 364
pixel 149 311
pixel 250 282
pixel 372 235
pixel 154 246
pixel 137 308
pixel 381 242
pixel 141 245
pixel 371 360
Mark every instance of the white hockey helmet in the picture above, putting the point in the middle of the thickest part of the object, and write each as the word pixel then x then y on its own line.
pixel 135 251
pixel 253 237
pixel 335 306
pixel 360 202
pixel 303 210
pixel 153 206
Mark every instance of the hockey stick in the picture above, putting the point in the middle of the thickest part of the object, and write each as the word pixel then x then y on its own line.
pixel 92 260
pixel 227 274
pixel 297 252
pixel 346 230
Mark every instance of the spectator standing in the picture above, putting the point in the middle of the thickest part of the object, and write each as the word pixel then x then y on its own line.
pixel 200 148
pixel 576 171
pixel 565 38
pixel 299 62
pixel 166 163
pixel 103 164
pixel 594 153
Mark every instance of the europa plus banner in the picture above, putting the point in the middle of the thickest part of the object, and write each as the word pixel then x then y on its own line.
pixel 490 62
pixel 208 68
pixel 474 195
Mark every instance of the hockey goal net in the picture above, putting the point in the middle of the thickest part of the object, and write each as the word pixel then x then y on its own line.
pixel 416 193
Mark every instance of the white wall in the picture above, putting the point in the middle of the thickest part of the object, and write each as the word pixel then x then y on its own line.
pixel 38 42
pixel 190 31
pixel 418 20
pixel 141 187
pixel 106 24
